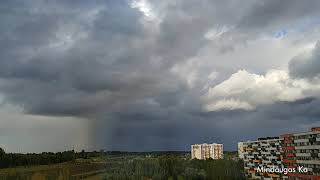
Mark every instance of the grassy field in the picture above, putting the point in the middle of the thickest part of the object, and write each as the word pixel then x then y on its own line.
pixel 88 169
pixel 79 169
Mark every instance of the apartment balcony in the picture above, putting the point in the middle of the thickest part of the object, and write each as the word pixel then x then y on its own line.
pixel 273 157
pixel 250 164
pixel 288 148
pixel 274 175
pixel 308 147
pixel 308 162
pixel 303 176
pixel 266 161
pixel 271 148
pixel 292 166
pixel 289 155
pixel 265 144
pixel 288 141
pixel 286 136
pixel 267 178
pixel 301 140
pixel 286 161
pixel 303 154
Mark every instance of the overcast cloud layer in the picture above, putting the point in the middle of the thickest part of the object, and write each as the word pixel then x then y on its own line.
pixel 141 75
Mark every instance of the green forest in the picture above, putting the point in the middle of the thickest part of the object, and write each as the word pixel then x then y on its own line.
pixel 8 160
pixel 174 167
pixel 118 166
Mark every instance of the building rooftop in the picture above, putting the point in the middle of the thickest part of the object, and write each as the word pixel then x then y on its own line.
pixel 267 138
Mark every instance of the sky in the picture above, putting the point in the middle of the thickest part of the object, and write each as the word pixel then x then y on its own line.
pixel 149 75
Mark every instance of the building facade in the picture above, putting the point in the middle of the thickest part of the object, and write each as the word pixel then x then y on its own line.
pixel 260 155
pixel 302 150
pixel 240 150
pixel 297 153
pixel 206 151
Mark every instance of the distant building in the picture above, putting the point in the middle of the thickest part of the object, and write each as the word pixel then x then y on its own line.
pixel 262 153
pixel 302 149
pixel 240 150
pixel 206 151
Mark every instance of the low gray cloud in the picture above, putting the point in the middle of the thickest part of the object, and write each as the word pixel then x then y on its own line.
pixel 306 65
pixel 278 14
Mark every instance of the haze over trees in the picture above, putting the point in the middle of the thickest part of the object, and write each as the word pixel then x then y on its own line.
pixel 31 159
pixel 175 167
pixel 119 165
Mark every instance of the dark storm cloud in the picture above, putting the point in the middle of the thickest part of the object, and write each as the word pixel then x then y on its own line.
pixel 111 65
pixel 300 110
pixel 103 61
pixel 173 130
pixel 274 14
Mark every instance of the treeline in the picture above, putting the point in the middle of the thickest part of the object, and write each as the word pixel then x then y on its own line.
pixel 152 153
pixel 173 167
pixel 17 159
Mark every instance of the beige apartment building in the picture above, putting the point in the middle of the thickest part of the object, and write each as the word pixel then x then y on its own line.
pixel 240 150
pixel 206 151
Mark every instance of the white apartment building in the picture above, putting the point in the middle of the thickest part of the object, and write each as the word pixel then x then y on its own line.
pixel 240 150
pixel 206 151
